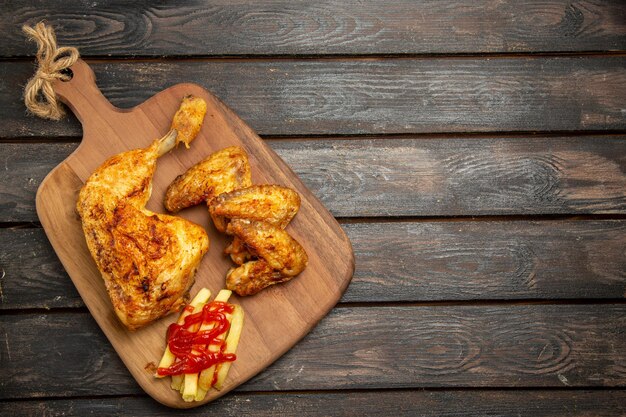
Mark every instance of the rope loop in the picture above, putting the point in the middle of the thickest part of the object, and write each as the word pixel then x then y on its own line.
pixel 39 95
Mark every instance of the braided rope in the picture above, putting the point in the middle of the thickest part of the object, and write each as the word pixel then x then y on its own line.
pixel 39 95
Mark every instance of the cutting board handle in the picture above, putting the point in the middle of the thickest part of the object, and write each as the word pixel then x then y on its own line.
pixel 82 95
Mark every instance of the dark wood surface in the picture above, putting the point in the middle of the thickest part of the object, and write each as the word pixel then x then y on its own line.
pixel 474 153
pixel 349 96
pixel 401 403
pixel 280 27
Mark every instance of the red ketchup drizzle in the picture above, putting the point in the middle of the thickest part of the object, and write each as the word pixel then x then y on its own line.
pixel 191 347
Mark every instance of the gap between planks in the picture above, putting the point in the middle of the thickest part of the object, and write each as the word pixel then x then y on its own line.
pixel 103 59
pixel 378 304
pixel 513 135
pixel 331 391
pixel 424 219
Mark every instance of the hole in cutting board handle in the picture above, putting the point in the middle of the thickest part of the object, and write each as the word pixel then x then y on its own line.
pixel 68 72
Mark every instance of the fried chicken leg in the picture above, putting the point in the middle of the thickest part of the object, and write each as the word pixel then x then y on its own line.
pixel 147 260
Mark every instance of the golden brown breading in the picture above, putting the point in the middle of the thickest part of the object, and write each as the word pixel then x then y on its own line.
pixel 280 257
pixel 221 172
pixel 252 277
pixel 148 262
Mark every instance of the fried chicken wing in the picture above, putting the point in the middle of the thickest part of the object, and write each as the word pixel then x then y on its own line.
pixel 279 256
pixel 147 260
pixel 221 172
pixel 270 203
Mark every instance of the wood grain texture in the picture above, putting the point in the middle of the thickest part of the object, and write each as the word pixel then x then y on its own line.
pixel 365 96
pixel 109 131
pixel 302 72
pixel 487 260
pixel 443 346
pixel 404 403
pixel 30 268
pixel 277 27
pixel 435 177
pixel 404 261
pixel 22 169
pixel 408 177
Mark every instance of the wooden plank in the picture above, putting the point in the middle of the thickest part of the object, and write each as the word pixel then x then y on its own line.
pixel 23 168
pixel 31 275
pixel 401 403
pixel 487 260
pixel 365 96
pixel 463 176
pixel 280 27
pixel 362 348
pixel 407 177
pixel 404 261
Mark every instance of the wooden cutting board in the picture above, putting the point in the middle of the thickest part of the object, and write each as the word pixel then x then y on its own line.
pixel 277 317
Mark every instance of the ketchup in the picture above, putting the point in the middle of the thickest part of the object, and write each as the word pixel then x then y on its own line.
pixel 190 345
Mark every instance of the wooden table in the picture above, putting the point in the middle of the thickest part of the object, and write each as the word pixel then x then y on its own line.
pixel 474 152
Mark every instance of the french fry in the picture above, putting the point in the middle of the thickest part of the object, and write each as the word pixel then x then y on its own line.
pixel 168 358
pixel 198 301
pixel 177 382
pixel 232 340
pixel 223 296
pixel 192 381
pixel 190 387
pixel 206 376
pixel 201 393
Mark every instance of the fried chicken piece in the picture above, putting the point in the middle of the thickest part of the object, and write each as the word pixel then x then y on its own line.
pixel 279 256
pixel 270 203
pixel 221 172
pixel 147 260
pixel 188 119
